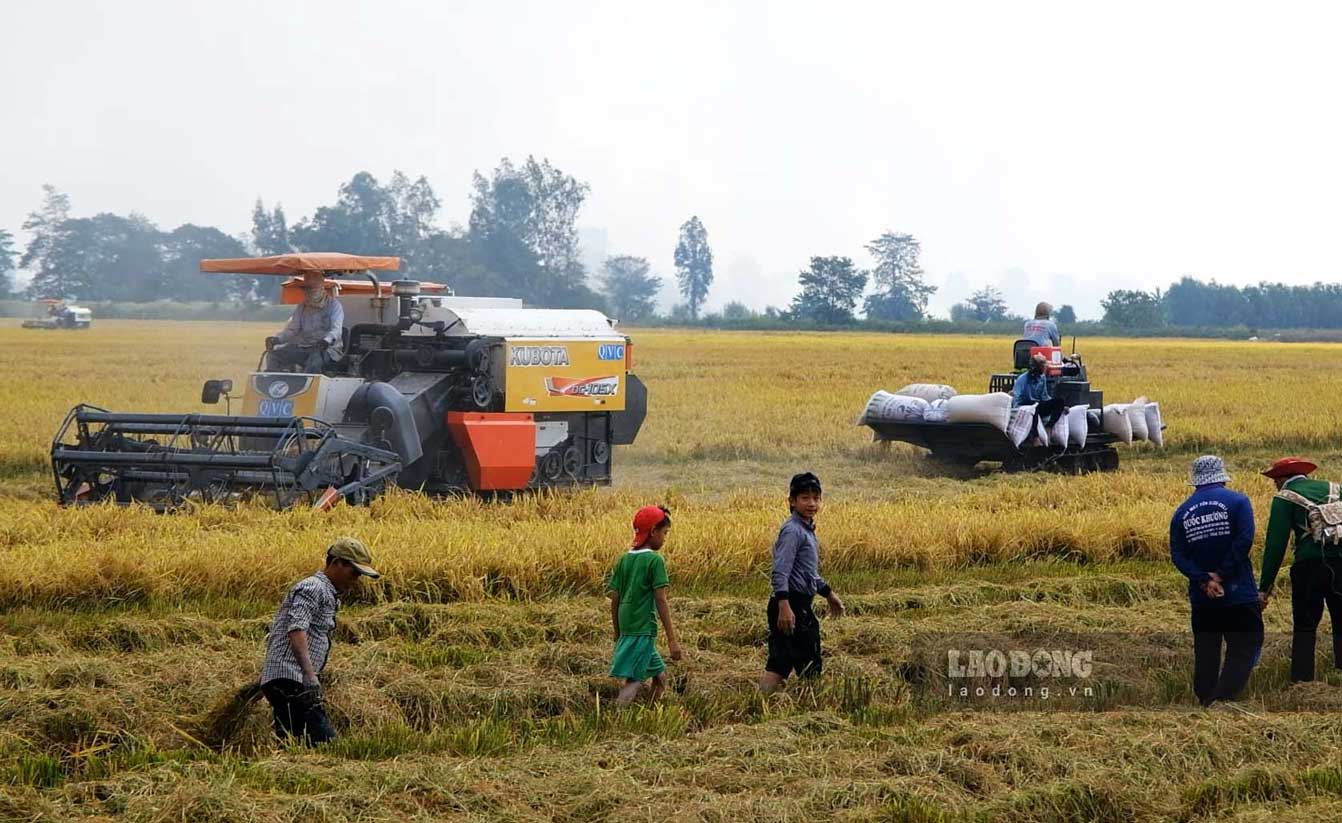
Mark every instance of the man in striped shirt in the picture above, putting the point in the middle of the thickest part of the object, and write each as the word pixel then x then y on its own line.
pixel 299 643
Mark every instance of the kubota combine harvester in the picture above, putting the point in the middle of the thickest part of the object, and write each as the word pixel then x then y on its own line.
pixel 432 391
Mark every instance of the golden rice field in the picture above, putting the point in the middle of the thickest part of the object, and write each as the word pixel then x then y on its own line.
pixel 469 684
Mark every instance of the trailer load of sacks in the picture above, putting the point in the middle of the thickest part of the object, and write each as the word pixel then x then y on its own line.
pixel 931 403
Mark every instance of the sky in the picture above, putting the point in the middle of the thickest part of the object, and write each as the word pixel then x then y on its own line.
pixel 1053 150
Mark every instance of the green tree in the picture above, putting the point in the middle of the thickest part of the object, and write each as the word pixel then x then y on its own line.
pixel 694 264
pixel 630 288
pixel 983 306
pixel 523 224
pixel 830 289
pixel 104 257
pixel 736 310
pixel 1133 309
pixel 901 290
pixel 358 222
pixel 270 236
pixel 1066 315
pixel 183 249
pixel 8 256
pixel 44 225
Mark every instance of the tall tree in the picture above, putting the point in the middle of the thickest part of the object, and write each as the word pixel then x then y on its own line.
pixel 1133 309
pixel 830 289
pixel 44 225
pixel 523 225
pixel 1066 315
pixel 694 264
pixel 183 249
pixel 901 290
pixel 8 256
pixel 983 306
pixel 270 236
pixel 105 257
pixel 357 223
pixel 629 287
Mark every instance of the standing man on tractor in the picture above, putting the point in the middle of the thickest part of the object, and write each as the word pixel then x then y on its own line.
pixel 312 338
pixel 1042 330
pixel 1316 573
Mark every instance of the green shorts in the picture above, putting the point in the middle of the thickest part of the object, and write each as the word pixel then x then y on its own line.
pixel 636 658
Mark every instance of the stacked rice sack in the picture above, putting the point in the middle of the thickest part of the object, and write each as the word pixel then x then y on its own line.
pixel 915 403
pixel 1134 422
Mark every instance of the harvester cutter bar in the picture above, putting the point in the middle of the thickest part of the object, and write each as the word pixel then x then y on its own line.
pixel 166 458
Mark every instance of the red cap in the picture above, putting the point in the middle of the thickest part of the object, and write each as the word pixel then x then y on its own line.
pixel 647 519
pixel 1289 467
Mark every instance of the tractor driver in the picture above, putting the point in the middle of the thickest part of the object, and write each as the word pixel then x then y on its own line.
pixel 1042 330
pixel 312 337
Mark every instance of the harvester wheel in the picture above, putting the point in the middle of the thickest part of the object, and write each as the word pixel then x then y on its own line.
pixel 482 392
pixel 572 461
pixel 600 452
pixel 552 466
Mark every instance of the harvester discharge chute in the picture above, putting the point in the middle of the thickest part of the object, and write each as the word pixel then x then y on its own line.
pixel 165 460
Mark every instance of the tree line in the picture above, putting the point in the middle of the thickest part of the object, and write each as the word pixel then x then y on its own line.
pixel 1192 303
pixel 521 240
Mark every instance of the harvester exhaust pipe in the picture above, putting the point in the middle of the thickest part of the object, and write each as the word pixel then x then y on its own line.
pixel 406 291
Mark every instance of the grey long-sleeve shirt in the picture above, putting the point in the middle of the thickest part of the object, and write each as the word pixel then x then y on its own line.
pixel 796 569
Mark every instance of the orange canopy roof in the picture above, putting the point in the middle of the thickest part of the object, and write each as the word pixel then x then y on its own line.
pixel 298 264
pixel 292 291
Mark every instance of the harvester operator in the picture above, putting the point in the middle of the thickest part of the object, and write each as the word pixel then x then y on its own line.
pixel 1042 330
pixel 312 338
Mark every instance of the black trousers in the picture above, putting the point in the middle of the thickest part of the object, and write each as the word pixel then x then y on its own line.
pixel 797 652
pixel 286 356
pixel 1240 630
pixel 1050 411
pixel 1315 583
pixel 296 716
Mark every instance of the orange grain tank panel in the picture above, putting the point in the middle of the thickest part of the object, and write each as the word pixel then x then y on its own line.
pixel 499 448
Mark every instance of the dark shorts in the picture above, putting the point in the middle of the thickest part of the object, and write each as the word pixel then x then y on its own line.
pixel 797 652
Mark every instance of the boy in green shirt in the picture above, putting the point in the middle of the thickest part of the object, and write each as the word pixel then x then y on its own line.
pixel 637 592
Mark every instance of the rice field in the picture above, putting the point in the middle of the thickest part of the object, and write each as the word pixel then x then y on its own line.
pixel 470 682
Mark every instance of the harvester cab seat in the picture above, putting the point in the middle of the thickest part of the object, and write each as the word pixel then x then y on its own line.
pixel 1020 354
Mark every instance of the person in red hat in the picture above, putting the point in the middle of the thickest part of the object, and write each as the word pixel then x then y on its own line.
pixel 1316 572
pixel 637 591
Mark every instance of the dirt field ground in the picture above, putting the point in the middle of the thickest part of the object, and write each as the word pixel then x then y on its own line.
pixel 471 683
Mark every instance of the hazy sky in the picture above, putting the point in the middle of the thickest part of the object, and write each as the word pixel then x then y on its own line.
pixel 1058 150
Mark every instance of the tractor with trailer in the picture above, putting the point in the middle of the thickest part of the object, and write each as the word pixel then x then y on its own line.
pixel 61 315
pixel 433 392
pixel 967 444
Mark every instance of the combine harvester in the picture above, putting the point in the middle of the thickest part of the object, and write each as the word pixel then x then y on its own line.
pixel 967 430
pixel 60 315
pixel 433 392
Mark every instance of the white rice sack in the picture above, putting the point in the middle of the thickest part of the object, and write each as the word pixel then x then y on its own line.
pixel 1040 433
pixel 927 391
pixel 1136 412
pixel 1061 430
pixel 1117 422
pixel 994 409
pixel 1155 426
pixel 884 407
pixel 1078 425
pixel 1021 425
pixel 936 415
